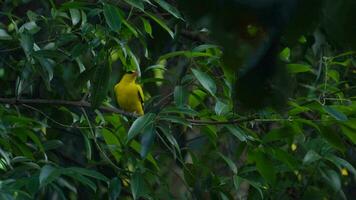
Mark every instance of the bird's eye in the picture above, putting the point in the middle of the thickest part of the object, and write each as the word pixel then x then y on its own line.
pixel 130 72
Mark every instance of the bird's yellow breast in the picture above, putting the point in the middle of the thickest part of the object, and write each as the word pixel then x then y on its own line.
pixel 128 97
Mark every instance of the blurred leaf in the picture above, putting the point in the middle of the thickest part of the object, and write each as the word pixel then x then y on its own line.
pixel 285 55
pixel 264 165
pixel 221 108
pixel 229 162
pixel 298 68
pixel 161 23
pixel 237 132
pixel 112 142
pixel 86 172
pixel 335 113
pixel 137 185
pixel 147 140
pixel 332 179
pixel 238 180
pixel 349 129
pixel 48 174
pixel 169 8
pixel 205 80
pixel 136 3
pixel 75 16
pixel 147 27
pixel 333 138
pixel 339 162
pixel 139 125
pixel 31 27
pixel 180 96
pixel 112 17
pixel 311 157
pixel 4 35
pixel 175 119
pixel 114 188
pixel 180 110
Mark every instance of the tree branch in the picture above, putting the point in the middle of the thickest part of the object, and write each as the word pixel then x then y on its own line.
pixel 84 104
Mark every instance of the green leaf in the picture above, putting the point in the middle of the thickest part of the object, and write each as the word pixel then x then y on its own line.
pixel 339 162
pixel 169 8
pixel 285 54
pixel 136 3
pixel 221 108
pixel 299 68
pixel 31 27
pixel 4 35
pixel 175 119
pixel 229 162
pixel 237 132
pixel 139 125
pixel 35 139
pixel 264 165
pixel 83 180
pixel 75 16
pixel 350 131
pixel 338 115
pixel 100 83
pixel 180 96
pixel 161 23
pixel 112 142
pixel 180 110
pixel 147 140
pixel 137 185
pixel 147 27
pixel 205 80
pixel 332 178
pixel 114 188
pixel 112 17
pixel 333 137
pixel 86 172
pixel 311 157
pixel 238 180
pixel 48 174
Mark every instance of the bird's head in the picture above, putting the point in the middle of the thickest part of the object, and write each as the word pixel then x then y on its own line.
pixel 130 76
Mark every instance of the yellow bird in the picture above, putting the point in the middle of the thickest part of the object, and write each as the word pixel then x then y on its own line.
pixel 129 94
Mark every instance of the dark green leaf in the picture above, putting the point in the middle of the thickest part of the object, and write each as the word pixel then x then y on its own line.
pixel 147 140
pixel 298 68
pixel 229 162
pixel 311 157
pixel 140 124
pixel 205 80
pixel 169 8
pixel 112 142
pixel 335 113
pixel 264 165
pixel 237 132
pixel 114 188
pixel 112 17
pixel 136 3
pixel 48 174
pixel 161 23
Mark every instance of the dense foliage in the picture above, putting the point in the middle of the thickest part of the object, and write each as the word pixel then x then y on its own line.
pixel 243 99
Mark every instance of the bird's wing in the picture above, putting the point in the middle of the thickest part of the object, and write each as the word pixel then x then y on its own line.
pixel 140 93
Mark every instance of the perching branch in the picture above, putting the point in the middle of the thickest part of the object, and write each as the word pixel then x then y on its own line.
pixel 83 104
